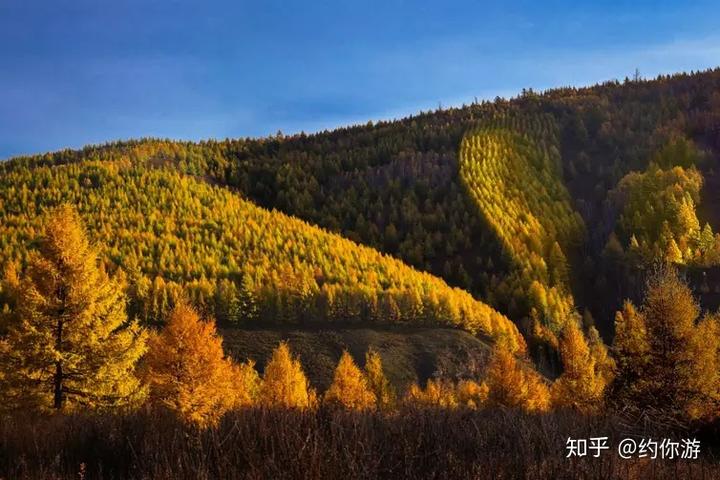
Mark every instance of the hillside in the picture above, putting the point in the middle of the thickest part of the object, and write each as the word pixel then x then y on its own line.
pixel 311 240
pixel 396 186
pixel 170 234
pixel 409 354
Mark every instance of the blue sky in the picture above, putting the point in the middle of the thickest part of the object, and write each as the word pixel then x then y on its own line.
pixel 74 72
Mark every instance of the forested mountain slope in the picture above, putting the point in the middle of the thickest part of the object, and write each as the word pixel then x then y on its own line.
pixel 172 234
pixel 396 186
pixel 511 168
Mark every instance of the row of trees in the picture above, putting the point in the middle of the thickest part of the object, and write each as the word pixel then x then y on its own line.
pixel 384 192
pixel 511 168
pixel 71 346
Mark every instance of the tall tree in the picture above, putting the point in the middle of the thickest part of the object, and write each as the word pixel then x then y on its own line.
pixel 73 344
pixel 582 383
pixel 667 361
pixel 631 350
pixel 705 383
pixel 670 312
pixel 605 366
pixel 189 374
pixel 558 265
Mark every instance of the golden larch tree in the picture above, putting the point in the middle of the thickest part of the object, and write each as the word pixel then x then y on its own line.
pixel 284 382
pixel 349 388
pixel 631 348
pixel 377 381
pixel 512 385
pixel 188 372
pixel 582 383
pixel 72 344
pixel 605 365
pixel 669 312
pixel 9 293
pixel 248 384
pixel 666 360
pixel 673 253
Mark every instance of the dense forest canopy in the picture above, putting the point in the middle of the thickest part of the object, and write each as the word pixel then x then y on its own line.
pixel 172 236
pixel 397 187
pixel 511 168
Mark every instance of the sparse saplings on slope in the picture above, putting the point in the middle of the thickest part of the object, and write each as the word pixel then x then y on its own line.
pixel 350 388
pixel 472 394
pixel 284 382
pixel 443 393
pixel 72 345
pixel 189 374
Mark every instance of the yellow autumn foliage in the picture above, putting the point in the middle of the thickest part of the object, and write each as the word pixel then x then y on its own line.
pixel 583 382
pixel 471 394
pixel 189 374
pixel 705 350
pixel 247 384
pixel 511 169
pixel 349 388
pixel 176 236
pixel 514 386
pixel 667 360
pixel 284 382
pixel 71 344
pixel 437 394
pixel 385 395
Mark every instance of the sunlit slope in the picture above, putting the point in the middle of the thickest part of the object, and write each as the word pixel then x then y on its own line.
pixel 511 168
pixel 396 186
pixel 174 234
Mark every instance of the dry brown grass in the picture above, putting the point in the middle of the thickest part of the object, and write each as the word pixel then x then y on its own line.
pixel 324 444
